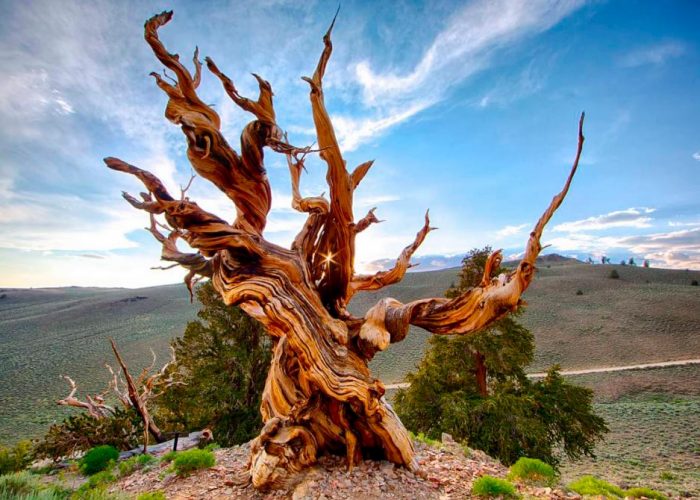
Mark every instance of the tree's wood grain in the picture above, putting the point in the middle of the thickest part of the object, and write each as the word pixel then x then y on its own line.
pixel 320 396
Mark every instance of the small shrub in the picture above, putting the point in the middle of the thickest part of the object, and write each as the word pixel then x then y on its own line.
pixel 27 486
pixel 131 465
pixel 99 479
pixel 187 461
pixel 169 457
pixel 489 486
pixel 16 458
pixel 579 292
pixel 667 476
pixel 614 275
pixel 645 493
pixel 98 459
pixel 694 283
pixel 591 485
pixel 532 470
pixel 422 438
pixel 152 495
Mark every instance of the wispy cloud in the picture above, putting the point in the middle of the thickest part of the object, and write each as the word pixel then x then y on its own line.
pixel 529 81
pixel 463 47
pixel 631 217
pixel 656 54
pixel 696 156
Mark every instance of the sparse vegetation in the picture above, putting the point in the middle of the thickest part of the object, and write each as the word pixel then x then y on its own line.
pixel 169 457
pixel 614 275
pixel 645 493
pixel 189 461
pixel 23 485
pixel 131 465
pixel 99 479
pixel 532 471
pixel 579 292
pixel 489 486
pixel 98 459
pixel 694 283
pixel 591 485
pixel 16 458
pixel 152 495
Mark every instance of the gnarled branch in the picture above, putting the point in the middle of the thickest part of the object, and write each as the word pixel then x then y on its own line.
pixel 477 307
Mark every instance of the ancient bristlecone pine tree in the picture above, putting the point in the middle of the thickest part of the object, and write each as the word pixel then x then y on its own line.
pixel 319 395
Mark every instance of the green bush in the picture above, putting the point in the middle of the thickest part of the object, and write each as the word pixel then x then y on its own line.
pixel 131 465
pixel 99 479
pixel 532 470
pixel 645 493
pixel 28 486
pixel 614 274
pixel 591 485
pixel 169 457
pixel 475 387
pixel 667 476
pixel 152 495
pixel 17 458
pixel 191 460
pixel 98 459
pixel 489 486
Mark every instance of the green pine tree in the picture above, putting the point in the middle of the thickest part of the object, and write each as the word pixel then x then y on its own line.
pixel 222 363
pixel 475 387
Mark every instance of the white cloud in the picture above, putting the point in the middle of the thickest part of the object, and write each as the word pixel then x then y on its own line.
pixel 462 48
pixel 696 156
pixel 656 54
pixel 510 230
pixel 631 217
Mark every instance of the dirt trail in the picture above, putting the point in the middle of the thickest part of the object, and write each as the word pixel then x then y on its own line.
pixel 604 369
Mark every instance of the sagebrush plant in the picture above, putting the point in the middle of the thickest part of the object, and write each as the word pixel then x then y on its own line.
pixel 191 460
pixel 489 486
pixel 532 471
pixel 614 274
pixel 591 485
pixel 98 459
pixel 16 458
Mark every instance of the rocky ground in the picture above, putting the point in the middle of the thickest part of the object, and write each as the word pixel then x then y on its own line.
pixel 447 472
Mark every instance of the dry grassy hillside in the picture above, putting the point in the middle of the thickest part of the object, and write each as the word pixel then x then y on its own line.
pixel 646 315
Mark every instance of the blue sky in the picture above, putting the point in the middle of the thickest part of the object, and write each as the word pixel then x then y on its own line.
pixel 469 109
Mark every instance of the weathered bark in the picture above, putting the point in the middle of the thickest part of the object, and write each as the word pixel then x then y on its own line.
pixel 319 396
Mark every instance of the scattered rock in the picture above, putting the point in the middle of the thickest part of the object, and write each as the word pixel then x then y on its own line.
pixel 446 473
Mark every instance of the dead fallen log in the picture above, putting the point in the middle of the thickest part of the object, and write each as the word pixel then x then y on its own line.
pixel 184 442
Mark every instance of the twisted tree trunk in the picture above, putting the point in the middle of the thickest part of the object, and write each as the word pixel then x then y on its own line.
pixel 319 396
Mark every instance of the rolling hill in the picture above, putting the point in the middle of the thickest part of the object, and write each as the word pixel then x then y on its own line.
pixel 646 315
